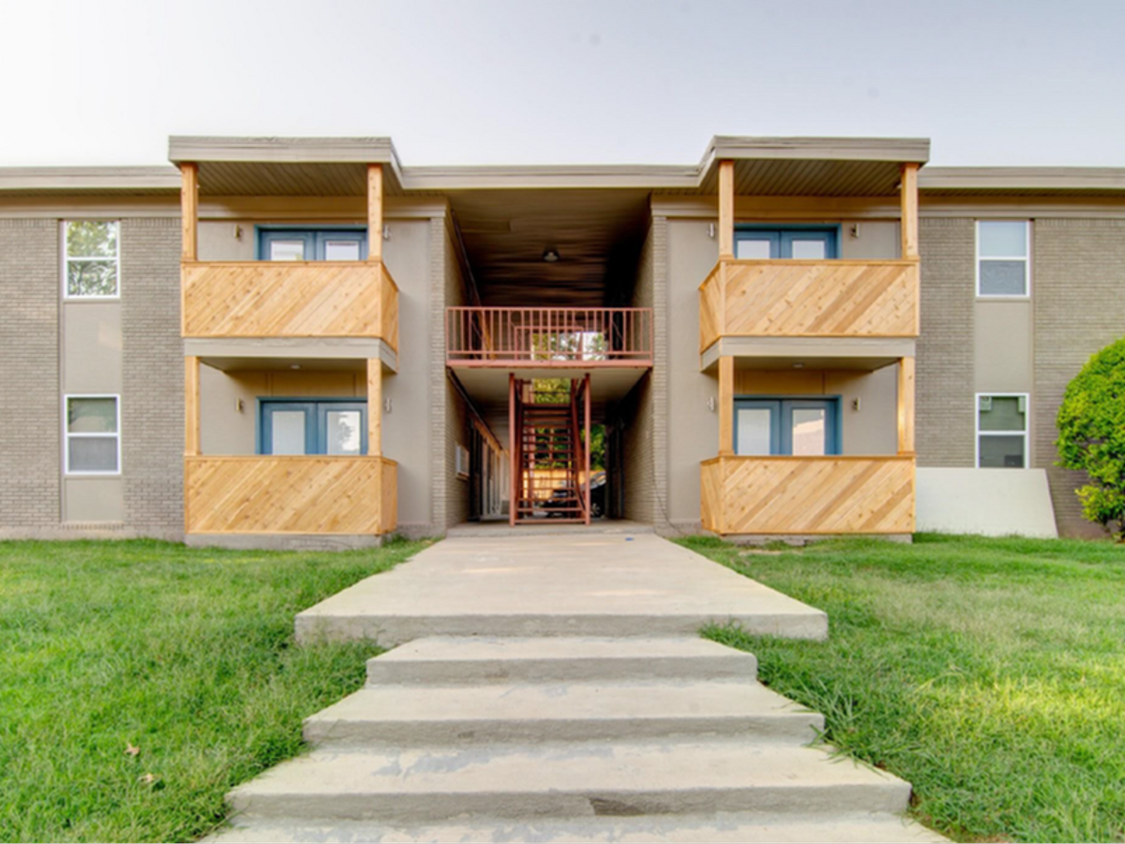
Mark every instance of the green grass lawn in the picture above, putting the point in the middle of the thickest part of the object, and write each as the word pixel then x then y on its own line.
pixel 183 655
pixel 990 673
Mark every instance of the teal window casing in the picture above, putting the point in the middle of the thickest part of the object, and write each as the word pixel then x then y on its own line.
pixel 316 241
pixel 317 419
pixel 782 242
pixel 781 414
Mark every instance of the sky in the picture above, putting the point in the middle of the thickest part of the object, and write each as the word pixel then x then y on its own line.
pixel 530 81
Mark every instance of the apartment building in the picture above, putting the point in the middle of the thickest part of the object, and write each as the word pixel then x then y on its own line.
pixel 302 342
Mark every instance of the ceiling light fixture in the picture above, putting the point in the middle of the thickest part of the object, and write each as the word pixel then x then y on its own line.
pixel 551 256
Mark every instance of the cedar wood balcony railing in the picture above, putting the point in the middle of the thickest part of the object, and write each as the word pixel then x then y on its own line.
pixel 796 298
pixel 549 337
pixel 808 495
pixel 254 299
pixel 314 494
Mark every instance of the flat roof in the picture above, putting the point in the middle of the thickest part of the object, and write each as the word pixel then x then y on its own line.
pixel 315 166
pixel 95 181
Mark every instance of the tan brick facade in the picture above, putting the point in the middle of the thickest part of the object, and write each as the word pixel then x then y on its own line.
pixel 944 403
pixel 30 402
pixel 1078 274
pixel 152 400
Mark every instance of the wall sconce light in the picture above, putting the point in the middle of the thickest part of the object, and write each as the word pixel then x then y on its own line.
pixel 238 406
pixel 855 231
pixel 711 230
pixel 551 256
pixel 711 403
pixel 387 405
pixel 237 232
pixel 855 404
pixel 386 232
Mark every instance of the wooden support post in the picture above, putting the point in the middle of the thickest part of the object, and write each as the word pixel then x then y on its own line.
pixel 588 400
pixel 726 209
pixel 189 212
pixel 726 406
pixel 513 452
pixel 374 212
pixel 374 407
pixel 906 406
pixel 908 198
pixel 191 407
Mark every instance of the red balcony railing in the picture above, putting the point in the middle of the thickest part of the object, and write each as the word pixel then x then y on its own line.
pixel 549 337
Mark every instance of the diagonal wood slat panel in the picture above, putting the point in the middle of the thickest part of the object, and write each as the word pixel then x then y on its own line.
pixel 290 494
pixel 290 299
pixel 791 298
pixel 808 495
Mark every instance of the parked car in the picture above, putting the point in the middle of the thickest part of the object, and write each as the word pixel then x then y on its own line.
pixel 561 495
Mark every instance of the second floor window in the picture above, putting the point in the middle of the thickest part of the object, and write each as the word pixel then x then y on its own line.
pixel 92 259
pixel 1003 258
pixel 293 244
pixel 810 243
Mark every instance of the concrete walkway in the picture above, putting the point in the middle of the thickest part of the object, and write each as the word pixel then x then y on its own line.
pixel 579 584
pixel 554 688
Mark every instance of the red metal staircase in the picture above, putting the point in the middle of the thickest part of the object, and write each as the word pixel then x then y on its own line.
pixel 550 457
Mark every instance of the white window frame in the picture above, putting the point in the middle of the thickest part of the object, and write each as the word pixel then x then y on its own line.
pixel 66 259
pixel 67 434
pixel 1025 433
pixel 1025 258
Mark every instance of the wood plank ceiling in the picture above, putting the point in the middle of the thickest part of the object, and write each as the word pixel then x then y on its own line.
pixel 596 233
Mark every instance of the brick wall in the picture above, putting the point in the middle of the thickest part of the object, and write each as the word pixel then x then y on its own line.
pixel 1077 279
pixel 30 424
pixel 945 427
pixel 152 401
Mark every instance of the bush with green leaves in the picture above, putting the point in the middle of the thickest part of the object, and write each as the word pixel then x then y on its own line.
pixel 1091 424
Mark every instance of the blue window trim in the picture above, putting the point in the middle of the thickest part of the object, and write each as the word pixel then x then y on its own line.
pixel 781 431
pixel 316 411
pixel 315 238
pixel 781 237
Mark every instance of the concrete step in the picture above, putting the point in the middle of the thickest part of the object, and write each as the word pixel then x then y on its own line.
pixel 724 828
pixel 506 713
pixel 448 660
pixel 567 781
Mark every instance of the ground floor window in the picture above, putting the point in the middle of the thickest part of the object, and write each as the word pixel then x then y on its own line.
pixel 1002 430
pixel 323 426
pixel 765 426
pixel 93 439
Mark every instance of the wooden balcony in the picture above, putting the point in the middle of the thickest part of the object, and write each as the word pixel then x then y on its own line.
pixel 256 299
pixel 565 338
pixel 792 298
pixel 271 494
pixel 808 495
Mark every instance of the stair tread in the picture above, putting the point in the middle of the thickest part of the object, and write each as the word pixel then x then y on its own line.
pixel 446 648
pixel 570 700
pixel 721 828
pixel 610 768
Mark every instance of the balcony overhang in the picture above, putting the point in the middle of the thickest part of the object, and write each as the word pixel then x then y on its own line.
pixel 257 166
pixel 862 354
pixel 490 386
pixel 314 354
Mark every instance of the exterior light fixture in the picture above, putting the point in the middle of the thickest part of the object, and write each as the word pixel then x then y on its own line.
pixel 551 256
pixel 294 366
pixel 798 366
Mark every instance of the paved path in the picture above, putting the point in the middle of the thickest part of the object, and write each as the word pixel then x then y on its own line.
pixel 554 688
pixel 586 584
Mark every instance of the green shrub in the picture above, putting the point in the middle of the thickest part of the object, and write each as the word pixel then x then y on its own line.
pixel 1091 424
